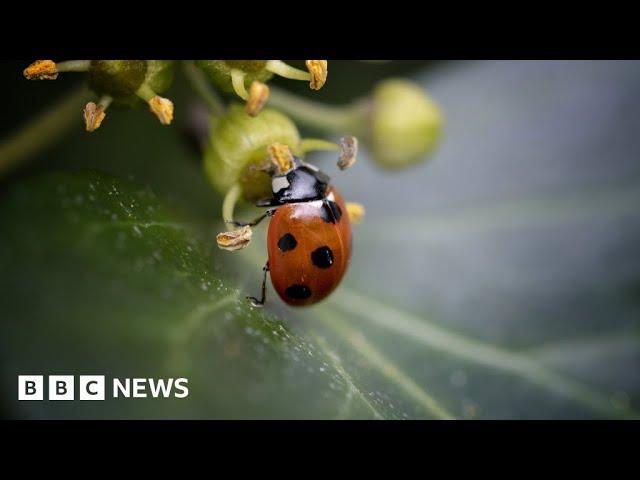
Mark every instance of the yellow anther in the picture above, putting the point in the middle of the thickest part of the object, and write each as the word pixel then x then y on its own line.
pixel 235 239
pixel 93 116
pixel 280 155
pixel 349 154
pixel 318 71
pixel 258 96
pixel 356 212
pixel 162 108
pixel 41 70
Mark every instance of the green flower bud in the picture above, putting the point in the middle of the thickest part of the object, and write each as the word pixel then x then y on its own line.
pixel 247 78
pixel 237 150
pixel 404 124
pixel 122 79
pixel 219 71
pixel 118 78
pixel 122 82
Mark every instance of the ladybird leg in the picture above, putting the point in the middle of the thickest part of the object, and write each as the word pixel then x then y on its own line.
pixel 253 300
pixel 268 213
pixel 229 204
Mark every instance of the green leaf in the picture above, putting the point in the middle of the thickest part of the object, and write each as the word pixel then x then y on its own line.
pixel 100 278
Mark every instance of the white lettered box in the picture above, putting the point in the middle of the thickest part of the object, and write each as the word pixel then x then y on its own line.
pixel 30 387
pixel 61 387
pixel 91 387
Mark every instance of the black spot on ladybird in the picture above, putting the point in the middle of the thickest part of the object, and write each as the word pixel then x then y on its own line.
pixel 330 212
pixel 287 242
pixel 322 257
pixel 298 292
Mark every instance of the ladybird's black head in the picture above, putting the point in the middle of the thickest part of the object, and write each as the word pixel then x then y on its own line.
pixel 303 183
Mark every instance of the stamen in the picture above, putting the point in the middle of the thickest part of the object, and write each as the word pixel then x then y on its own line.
pixel 234 239
pixel 237 80
pixel 74 66
pixel 162 108
pixel 287 71
pixel 349 153
pixel 258 96
pixel 280 155
pixel 229 202
pixel 356 212
pixel 93 116
pixel 315 144
pixel 318 71
pixel 41 70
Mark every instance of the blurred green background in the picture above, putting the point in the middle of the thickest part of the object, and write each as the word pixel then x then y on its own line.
pixel 499 279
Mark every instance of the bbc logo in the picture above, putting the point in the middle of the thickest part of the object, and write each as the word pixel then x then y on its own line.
pixel 60 387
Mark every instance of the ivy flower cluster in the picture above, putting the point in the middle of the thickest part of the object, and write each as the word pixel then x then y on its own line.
pixel 397 122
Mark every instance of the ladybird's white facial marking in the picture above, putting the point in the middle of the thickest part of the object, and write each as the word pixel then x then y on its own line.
pixel 279 183
pixel 331 197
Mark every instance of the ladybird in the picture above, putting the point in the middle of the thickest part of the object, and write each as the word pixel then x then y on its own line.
pixel 309 240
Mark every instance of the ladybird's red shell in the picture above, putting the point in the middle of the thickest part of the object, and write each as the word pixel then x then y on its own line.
pixel 309 246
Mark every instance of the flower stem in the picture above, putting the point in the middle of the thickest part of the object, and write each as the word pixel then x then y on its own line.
pixel 237 80
pixel 344 119
pixel 74 66
pixel 287 71
pixel 314 144
pixel 229 203
pixel 202 87
pixel 43 131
